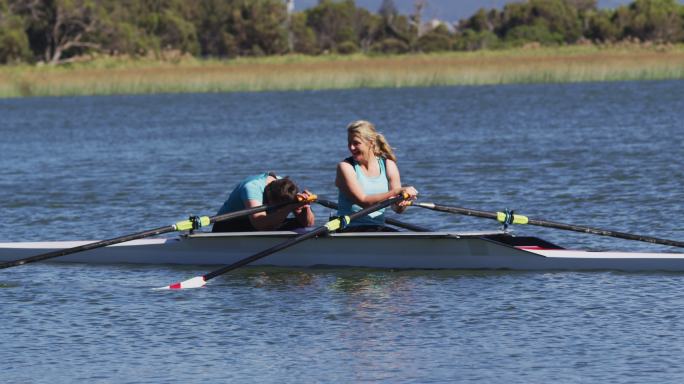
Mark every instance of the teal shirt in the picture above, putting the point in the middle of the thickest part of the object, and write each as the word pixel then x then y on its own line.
pixel 370 186
pixel 251 188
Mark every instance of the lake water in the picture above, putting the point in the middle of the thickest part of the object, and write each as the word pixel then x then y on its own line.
pixel 605 155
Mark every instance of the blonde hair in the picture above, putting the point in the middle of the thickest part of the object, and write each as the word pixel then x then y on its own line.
pixel 366 130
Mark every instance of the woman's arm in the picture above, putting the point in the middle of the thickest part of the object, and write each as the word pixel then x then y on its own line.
pixel 263 221
pixel 394 179
pixel 304 213
pixel 347 183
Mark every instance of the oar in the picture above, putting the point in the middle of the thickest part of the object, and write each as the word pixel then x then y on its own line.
pixel 510 218
pixel 397 223
pixel 194 222
pixel 330 226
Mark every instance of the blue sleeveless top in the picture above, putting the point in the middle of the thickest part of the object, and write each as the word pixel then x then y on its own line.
pixel 251 188
pixel 370 186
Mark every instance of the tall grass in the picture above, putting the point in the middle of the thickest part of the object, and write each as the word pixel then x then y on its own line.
pixel 108 76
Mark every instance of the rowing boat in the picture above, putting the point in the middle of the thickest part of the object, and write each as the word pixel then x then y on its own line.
pixel 395 250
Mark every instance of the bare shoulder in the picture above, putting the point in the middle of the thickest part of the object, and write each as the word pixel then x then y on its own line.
pixel 344 166
pixel 391 166
pixel 345 174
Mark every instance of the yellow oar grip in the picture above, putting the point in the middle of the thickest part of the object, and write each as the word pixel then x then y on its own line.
pixel 187 225
pixel 334 225
pixel 517 219
pixel 312 198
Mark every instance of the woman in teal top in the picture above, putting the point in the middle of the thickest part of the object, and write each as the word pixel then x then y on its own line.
pixel 369 176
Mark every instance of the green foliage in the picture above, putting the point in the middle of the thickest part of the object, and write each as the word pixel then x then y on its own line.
pixel 538 33
pixel 304 37
pixel 481 21
pixel 367 27
pixel 258 27
pixel 470 40
pixel 436 40
pixel 211 21
pixel 541 19
pixel 347 48
pixel 177 33
pixel 14 43
pixel 332 22
pixel 390 46
pixel 656 20
pixel 601 27
pixel 388 9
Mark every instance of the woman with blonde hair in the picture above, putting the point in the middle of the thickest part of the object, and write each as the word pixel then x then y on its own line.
pixel 368 176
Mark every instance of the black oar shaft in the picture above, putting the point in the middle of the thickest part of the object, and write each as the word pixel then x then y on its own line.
pixel 264 253
pixel 134 236
pixel 552 224
pixel 388 220
pixel 316 232
pixel 605 232
pixel 86 247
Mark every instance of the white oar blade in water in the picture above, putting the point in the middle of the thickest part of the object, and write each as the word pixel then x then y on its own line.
pixel 195 282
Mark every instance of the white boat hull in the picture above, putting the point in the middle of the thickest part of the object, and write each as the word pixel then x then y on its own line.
pixel 402 250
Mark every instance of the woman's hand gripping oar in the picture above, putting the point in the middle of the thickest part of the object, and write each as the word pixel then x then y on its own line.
pixel 194 222
pixel 508 218
pixel 332 225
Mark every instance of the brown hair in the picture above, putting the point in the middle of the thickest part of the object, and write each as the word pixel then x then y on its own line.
pixel 280 191
pixel 366 130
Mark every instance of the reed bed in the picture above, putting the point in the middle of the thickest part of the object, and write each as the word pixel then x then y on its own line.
pixel 107 76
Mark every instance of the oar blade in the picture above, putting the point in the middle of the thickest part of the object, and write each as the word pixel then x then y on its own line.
pixel 195 282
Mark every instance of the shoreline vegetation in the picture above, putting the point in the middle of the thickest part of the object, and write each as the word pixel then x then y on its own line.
pixel 185 74
pixel 106 47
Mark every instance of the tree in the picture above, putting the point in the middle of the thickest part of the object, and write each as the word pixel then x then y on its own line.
pixel 259 27
pixel 478 22
pixel 438 39
pixel 416 18
pixel 658 20
pixel 304 37
pixel 14 44
pixel 212 33
pixel 333 23
pixel 388 10
pixel 470 40
pixel 531 20
pixel 60 28
pixel 601 27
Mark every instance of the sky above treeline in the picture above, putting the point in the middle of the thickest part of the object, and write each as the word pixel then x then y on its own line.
pixel 447 10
